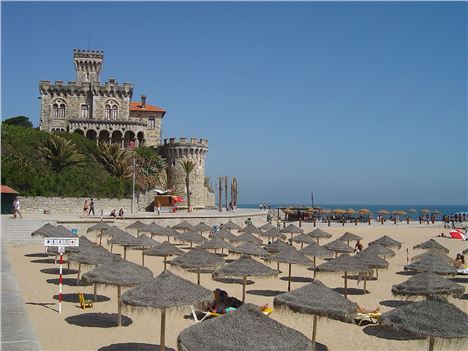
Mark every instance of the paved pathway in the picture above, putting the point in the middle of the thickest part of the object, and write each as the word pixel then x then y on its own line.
pixel 17 333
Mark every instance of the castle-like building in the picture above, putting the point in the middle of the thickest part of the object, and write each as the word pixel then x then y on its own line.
pixel 106 113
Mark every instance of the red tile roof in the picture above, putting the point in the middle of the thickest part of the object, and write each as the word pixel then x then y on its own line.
pixel 136 106
pixel 5 189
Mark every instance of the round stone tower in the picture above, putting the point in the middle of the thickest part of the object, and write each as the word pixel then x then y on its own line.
pixel 177 151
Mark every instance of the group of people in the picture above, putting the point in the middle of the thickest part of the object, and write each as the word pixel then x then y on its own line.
pixel 114 213
pixel 265 206
pixel 459 262
pixel 16 208
pixel 88 207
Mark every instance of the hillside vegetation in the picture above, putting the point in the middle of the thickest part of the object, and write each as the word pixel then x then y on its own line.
pixel 28 170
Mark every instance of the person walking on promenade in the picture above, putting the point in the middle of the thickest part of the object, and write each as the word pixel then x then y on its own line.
pixel 16 208
pixel 158 207
pixel 91 207
pixel 85 207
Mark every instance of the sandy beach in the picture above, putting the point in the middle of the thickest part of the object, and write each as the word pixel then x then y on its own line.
pixel 37 279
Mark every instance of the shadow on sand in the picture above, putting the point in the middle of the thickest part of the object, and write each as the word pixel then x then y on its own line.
pixel 133 346
pixel 233 281
pixel 356 277
pixel 74 298
pixel 44 261
pixel 65 271
pixel 44 304
pixel 406 273
pixel 459 280
pixel 351 291
pixel 388 333
pixel 98 320
pixel 395 303
pixel 37 255
pixel 264 292
pixel 298 279
pixel 67 281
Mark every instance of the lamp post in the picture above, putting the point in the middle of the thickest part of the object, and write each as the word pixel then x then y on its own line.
pixel 133 185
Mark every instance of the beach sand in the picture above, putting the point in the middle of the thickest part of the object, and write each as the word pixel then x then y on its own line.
pixel 55 332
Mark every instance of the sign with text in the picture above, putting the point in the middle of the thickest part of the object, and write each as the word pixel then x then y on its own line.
pixel 64 242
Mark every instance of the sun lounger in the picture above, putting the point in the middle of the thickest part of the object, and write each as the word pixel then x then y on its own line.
pixel 372 317
pixel 208 314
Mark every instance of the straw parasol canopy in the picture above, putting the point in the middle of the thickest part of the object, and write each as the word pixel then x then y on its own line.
pixel 98 228
pixel 383 212
pixel 428 284
pixel 318 300
pixel 153 229
pixel 412 210
pixel 138 225
pixel 399 213
pixel 303 239
pixel 349 237
pixel 249 248
pixel 277 246
pixel 433 264
pixel 267 226
pixel 245 267
pixel 290 256
pixel 50 231
pixel 351 211
pixel 325 211
pixel 273 233
pixel 198 259
pixel 247 328
pixel 437 253
pixel 292 229
pixel 431 244
pixel 250 228
pixel 164 292
pixel 184 225
pixel 319 233
pixel 123 239
pixel 425 210
pixel 430 319
pixel 201 227
pixel 216 243
pixel 231 225
pixel 346 264
pixel 143 242
pixel 338 246
pixel 387 242
pixel 191 237
pixel 120 273
pixel 315 250
pixel 224 234
pixel 380 250
pixel 372 260
pixel 364 211
pixel 338 211
pixel 248 237
pixel 164 249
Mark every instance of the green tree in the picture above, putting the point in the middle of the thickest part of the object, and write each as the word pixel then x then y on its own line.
pixel 116 160
pixel 60 153
pixel 150 169
pixel 21 121
pixel 188 167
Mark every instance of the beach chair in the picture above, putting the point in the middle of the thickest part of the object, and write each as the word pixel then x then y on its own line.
pixel 372 317
pixel 208 314
pixel 84 303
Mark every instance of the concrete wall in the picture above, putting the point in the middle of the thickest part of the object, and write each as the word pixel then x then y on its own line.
pixel 38 204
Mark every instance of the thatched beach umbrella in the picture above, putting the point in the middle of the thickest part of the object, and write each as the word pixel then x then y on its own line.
pixel 250 228
pixel 138 225
pixel 120 273
pixel 231 225
pixel 248 237
pixel 386 241
pixel 112 232
pixel 184 225
pixel 346 264
pixel 383 212
pixel 349 237
pixel 373 261
pixel 224 234
pixel 315 250
pixel 166 291
pixel 438 253
pixel 191 237
pixel 245 267
pixel 123 239
pixel 430 319
pixel 432 245
pixel 143 242
pixel 318 300
pixel 247 328
pixel 303 239
pixel 425 210
pixel 338 246
pixel 364 211
pixel 380 250
pixel 292 229
pixel 433 264
pixel 153 229
pixel 249 248
pixel 201 227
pixel 198 259
pixel 50 231
pixel 291 256
pixel 428 284
pixel 164 249
pixel 277 246
pixel 319 233
pixel 98 228
pixel 273 234
pixel 217 243
pixel 267 226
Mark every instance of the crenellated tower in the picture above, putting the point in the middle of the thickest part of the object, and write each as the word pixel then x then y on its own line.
pixel 88 65
pixel 177 151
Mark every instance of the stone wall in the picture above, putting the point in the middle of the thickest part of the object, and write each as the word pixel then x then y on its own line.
pixel 37 204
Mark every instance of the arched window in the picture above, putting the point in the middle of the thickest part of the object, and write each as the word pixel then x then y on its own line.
pixel 84 111
pixel 108 111
pixel 61 111
pixel 55 110
pixel 114 112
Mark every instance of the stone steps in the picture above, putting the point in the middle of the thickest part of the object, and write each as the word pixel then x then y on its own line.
pixel 18 231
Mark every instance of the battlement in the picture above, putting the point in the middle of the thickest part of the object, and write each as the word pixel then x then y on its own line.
pixel 46 87
pixel 182 141
pixel 88 54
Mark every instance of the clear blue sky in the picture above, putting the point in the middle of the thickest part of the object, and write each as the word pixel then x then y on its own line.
pixel 359 102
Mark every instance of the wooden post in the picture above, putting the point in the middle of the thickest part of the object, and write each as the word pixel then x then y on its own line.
pixel 289 280
pixel 125 252
pixel 314 332
pixel 119 307
pixel 143 257
pixel 95 292
pixel 244 281
pixel 431 343
pixel 365 281
pixel 165 261
pixel 346 284
pixel 315 265
pixel 78 275
pixel 162 342
pixel 198 276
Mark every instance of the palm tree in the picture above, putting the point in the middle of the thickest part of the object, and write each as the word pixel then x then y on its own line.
pixel 188 167
pixel 60 153
pixel 151 169
pixel 116 160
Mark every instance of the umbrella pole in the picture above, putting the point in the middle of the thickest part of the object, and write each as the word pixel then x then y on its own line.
pixel 143 257
pixel 125 252
pixel 119 307
pixel 314 332
pixel 431 343
pixel 95 292
pixel 165 261
pixel 244 281
pixel 78 274
pixel 318 241
pixel 289 279
pixel 100 239
pixel 277 266
pixel 365 281
pixel 198 276
pixel 315 265
pixel 302 246
pixel 162 343
pixel 346 284
pixel 112 245
pixel 376 273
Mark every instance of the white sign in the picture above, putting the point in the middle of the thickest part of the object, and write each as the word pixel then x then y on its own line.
pixel 61 250
pixel 57 242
